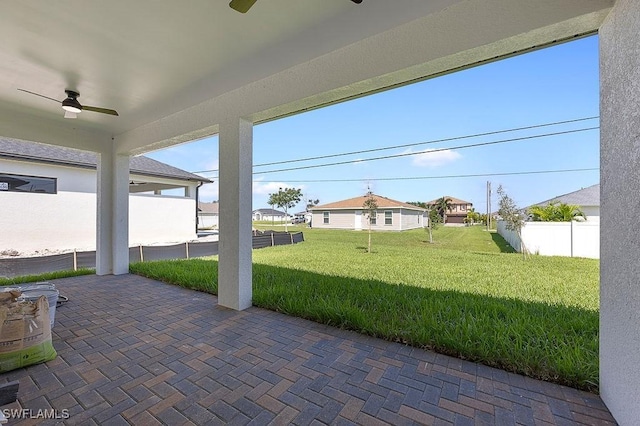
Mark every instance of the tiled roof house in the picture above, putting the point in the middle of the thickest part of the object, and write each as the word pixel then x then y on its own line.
pixel 391 215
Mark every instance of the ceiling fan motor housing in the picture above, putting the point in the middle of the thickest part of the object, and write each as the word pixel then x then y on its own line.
pixel 71 104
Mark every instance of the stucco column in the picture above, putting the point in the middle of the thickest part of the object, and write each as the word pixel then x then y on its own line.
pixel 620 204
pixel 112 234
pixel 236 163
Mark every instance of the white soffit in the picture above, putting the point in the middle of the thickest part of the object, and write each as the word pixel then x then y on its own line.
pixel 174 70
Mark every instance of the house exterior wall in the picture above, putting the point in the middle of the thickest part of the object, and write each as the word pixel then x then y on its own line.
pixel 412 219
pixel 67 220
pixel 338 219
pixel 401 219
pixel 620 184
pixel 592 212
pixel 459 208
pixel 571 239
pixel 258 216
pixel 161 219
pixel 207 220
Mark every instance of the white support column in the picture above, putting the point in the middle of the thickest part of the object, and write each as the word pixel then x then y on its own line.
pixel 112 245
pixel 236 163
pixel 620 203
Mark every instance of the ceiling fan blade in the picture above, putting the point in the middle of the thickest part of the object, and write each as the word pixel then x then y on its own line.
pixel 38 94
pixel 100 110
pixel 241 6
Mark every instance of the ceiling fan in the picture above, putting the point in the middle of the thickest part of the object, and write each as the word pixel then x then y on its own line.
pixel 72 107
pixel 243 6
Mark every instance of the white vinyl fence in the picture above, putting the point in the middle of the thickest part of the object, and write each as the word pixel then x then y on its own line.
pixel 571 239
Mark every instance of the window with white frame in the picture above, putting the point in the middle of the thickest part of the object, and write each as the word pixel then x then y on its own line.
pixel 388 217
pixel 325 217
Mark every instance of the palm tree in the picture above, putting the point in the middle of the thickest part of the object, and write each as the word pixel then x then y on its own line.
pixel 569 212
pixel 443 204
pixel 556 212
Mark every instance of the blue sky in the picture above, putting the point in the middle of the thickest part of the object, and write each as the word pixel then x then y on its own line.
pixel 546 86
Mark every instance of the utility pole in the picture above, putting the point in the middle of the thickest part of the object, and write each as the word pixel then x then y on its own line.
pixel 488 205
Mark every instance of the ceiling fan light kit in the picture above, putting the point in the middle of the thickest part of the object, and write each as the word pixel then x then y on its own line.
pixel 71 104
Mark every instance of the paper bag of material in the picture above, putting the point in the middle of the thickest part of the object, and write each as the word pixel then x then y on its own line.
pixel 25 332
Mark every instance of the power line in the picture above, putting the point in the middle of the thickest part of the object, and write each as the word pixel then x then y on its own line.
pixel 321 157
pixel 532 172
pixel 386 157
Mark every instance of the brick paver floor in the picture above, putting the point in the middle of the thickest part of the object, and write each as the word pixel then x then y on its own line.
pixel 136 351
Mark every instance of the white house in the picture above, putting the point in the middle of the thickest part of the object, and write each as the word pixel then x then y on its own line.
pixel 208 214
pixel 570 239
pixel 269 215
pixel 588 199
pixel 48 199
pixel 391 215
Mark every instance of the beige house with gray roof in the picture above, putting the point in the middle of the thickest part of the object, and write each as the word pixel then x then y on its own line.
pixel 391 215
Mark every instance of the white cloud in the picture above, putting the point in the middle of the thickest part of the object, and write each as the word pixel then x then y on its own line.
pixel 208 192
pixel 266 188
pixel 432 158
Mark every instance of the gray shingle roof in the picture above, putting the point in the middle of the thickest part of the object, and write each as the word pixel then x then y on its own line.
pixel 209 208
pixel 269 212
pixel 38 152
pixel 589 196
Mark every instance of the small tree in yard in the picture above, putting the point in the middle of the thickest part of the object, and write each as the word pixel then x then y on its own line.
pixel 370 206
pixel 433 217
pixel 286 199
pixel 513 218
pixel 434 221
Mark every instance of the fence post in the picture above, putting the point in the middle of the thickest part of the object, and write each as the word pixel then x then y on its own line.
pixel 273 243
pixel 186 244
pixel 291 235
pixel 75 260
pixel 141 254
pixel 571 238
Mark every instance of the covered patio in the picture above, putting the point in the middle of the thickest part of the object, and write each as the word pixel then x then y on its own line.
pixel 136 351
pixel 176 73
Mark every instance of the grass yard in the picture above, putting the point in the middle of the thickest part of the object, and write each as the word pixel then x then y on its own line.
pixel 467 295
pixel 44 277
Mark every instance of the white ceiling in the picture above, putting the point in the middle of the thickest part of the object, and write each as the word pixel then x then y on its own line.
pixel 173 68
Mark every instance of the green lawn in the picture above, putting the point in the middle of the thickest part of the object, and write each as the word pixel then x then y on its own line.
pixel 44 277
pixel 467 295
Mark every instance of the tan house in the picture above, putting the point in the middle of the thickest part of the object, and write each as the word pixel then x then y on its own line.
pixel 391 215
pixel 458 211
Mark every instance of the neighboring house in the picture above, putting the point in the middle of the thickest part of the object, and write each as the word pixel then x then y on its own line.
pixel 269 215
pixel 458 211
pixel 208 214
pixel 573 239
pixel 588 199
pixel 306 215
pixel 391 215
pixel 48 199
